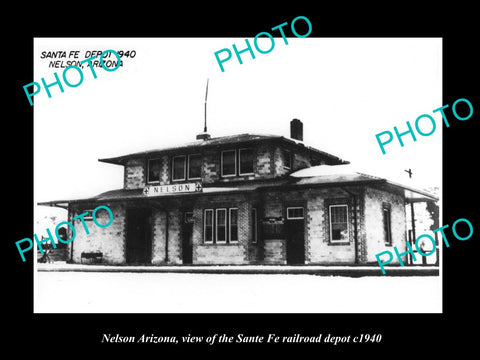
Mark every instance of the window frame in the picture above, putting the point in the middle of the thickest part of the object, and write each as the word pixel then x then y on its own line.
pixel 212 240
pixel 148 171
pixel 388 235
pixel 216 226
pixel 331 240
pixel 184 167
pixel 234 159
pixel 290 158
pixel 230 225
pixel 295 217
pixel 240 161
pixel 188 167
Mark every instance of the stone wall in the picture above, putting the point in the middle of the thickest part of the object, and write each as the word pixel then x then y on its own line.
pixel 134 174
pixel 320 250
pixel 110 241
pixel 374 200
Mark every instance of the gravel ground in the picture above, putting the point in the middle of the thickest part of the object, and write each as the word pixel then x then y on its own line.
pixel 100 292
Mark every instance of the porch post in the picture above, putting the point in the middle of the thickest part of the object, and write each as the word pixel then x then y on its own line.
pixel 414 237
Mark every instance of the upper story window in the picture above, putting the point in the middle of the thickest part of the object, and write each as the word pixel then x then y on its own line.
pixel 187 167
pixel 153 173
pixel 229 163
pixel 195 166
pixel 287 159
pixel 245 162
pixel 179 167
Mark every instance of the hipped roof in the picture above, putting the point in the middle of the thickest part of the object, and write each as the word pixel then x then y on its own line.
pixel 219 142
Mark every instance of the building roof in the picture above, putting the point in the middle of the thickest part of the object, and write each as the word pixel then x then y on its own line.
pixel 217 142
pixel 313 177
pixel 345 174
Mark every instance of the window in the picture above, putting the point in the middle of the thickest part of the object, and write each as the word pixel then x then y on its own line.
pixel 195 166
pixel 254 226
pixel 225 222
pixel 221 225
pixel 287 159
pixel 229 163
pixel 294 213
pixel 153 172
pixel 208 226
pixel 338 223
pixel 233 224
pixel 178 168
pixel 246 161
pixel 387 225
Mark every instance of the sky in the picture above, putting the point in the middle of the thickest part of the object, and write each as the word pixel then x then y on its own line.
pixel 344 90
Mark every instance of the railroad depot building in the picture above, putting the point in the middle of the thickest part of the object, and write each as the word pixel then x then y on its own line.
pixel 242 199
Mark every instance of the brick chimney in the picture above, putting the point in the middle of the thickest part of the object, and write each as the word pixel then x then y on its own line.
pixel 296 129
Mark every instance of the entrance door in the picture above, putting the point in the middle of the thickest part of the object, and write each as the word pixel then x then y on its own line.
pixel 187 233
pixel 139 241
pixel 295 236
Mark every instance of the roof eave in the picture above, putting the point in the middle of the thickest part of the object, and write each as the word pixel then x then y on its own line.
pixel 425 195
pixel 120 160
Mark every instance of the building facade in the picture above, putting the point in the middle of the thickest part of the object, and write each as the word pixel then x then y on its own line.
pixel 243 199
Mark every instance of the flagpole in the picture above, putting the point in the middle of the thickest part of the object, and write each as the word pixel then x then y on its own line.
pixel 206 94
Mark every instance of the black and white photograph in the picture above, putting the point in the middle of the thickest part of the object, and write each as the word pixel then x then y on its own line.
pixel 237 187
pixel 276 186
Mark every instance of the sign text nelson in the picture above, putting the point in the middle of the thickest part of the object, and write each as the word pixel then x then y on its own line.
pixel 157 190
